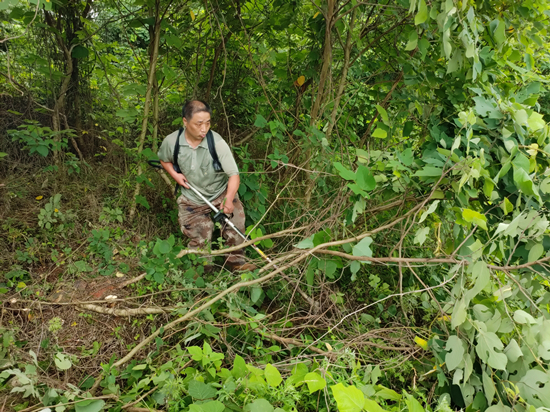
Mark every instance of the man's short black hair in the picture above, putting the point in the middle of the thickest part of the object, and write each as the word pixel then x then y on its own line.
pixel 195 106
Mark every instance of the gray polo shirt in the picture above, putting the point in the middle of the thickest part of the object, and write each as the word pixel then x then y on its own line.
pixel 196 165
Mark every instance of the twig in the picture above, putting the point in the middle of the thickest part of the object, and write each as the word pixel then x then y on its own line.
pixel 129 405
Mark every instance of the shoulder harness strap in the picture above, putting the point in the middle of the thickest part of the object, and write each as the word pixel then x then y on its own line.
pixel 212 149
pixel 176 152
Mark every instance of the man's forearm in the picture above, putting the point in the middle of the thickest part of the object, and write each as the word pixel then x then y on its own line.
pixel 169 167
pixel 232 187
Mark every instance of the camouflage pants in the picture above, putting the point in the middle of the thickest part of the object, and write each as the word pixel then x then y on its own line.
pixel 196 223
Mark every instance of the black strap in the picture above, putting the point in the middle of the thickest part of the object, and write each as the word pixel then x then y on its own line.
pixel 212 149
pixel 176 154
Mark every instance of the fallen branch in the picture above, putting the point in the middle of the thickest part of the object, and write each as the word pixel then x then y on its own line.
pixel 125 312
pixel 241 246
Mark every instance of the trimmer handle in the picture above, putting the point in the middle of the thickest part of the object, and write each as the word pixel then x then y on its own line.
pixel 220 217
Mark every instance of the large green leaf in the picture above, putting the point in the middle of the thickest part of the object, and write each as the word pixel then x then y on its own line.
pixel 534 386
pixel 201 390
pixel 212 406
pixel 365 179
pixel 259 405
pixel 363 247
pixel 344 173
pixel 315 382
pixel 524 182
pixel 348 399
pixel 239 367
pixel 455 354
pixel 272 376
pixel 90 406
pixel 422 14
pixel 487 346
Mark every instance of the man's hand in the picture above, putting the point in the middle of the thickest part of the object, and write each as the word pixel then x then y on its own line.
pixel 228 206
pixel 181 180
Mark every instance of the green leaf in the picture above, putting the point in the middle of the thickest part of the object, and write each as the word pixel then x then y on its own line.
pixel 173 41
pixel 239 368
pixel 372 406
pixel 534 386
pixel 422 14
pixel 420 235
pixel 365 179
pixel 90 406
pixel 212 406
pixel 259 405
pixel 363 247
pixel 260 121
pixel 306 243
pixel 256 294
pixel 524 182
pixel 507 206
pixel 536 252
pixel 475 217
pixel 487 345
pixel 195 352
pixel 272 376
pixel 348 399
pixel 142 201
pixel 328 267
pixel 423 46
pixel 513 351
pixel 41 150
pixel 80 52
pixel 520 316
pixel 430 210
pixel 488 387
pixel 536 121
pixel 344 173
pixel 455 354
pixel 380 133
pixel 383 114
pixel 406 157
pixel 201 390
pixel 459 313
pixel 62 361
pixel 429 171
pixel 164 247
pixel 499 33
pixel 315 382
pixel 413 405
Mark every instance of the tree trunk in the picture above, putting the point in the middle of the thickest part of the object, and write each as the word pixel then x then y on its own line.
pixel 343 77
pixel 327 60
pixel 150 83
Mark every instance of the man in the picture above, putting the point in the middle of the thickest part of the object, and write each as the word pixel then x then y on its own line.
pixel 220 188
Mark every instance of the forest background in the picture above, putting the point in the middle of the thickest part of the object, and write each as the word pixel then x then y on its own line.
pixel 394 159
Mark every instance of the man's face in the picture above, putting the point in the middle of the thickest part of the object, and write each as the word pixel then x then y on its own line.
pixel 198 126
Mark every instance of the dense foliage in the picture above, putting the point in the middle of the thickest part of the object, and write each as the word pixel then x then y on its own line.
pixel 395 164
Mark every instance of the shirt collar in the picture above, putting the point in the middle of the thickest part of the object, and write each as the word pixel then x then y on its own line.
pixel 183 141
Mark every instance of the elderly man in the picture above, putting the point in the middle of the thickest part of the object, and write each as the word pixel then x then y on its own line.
pixel 220 188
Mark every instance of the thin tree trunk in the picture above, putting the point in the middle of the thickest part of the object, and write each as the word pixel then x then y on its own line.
pixel 150 84
pixel 155 113
pixel 58 109
pixel 214 63
pixel 327 60
pixel 343 77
